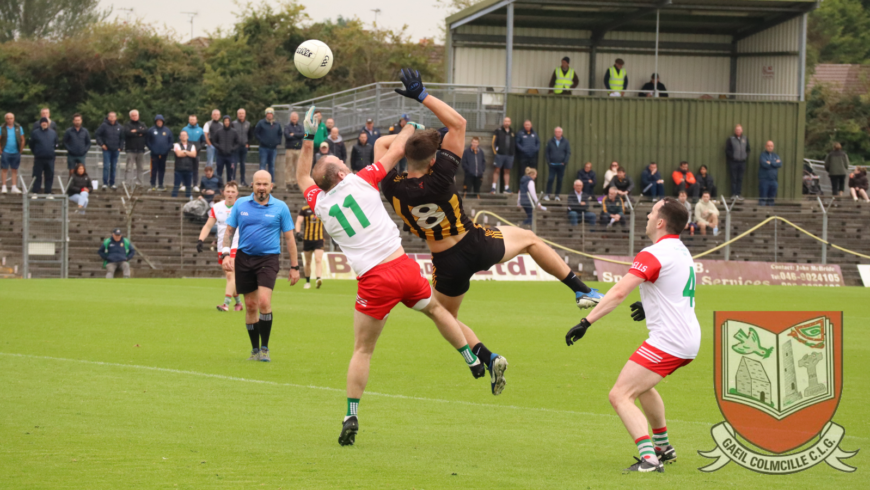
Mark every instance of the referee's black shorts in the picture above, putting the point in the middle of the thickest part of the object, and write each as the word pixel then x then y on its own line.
pixel 479 250
pixel 253 271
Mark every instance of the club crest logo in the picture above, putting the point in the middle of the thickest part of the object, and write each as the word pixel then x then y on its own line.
pixel 778 378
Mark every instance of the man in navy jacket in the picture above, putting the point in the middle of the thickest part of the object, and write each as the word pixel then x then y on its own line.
pixel 651 183
pixel 473 164
pixel 268 132
pixel 528 147
pixel 77 141
pixel 43 142
pixel 160 142
pixel 769 164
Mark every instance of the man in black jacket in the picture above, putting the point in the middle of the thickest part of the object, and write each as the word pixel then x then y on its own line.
pixel 362 154
pixel 77 141
pixel 111 140
pixel 503 147
pixel 293 134
pixel 268 132
pixel 46 113
pixel 135 132
pixel 736 152
pixel 226 142
pixel 473 164
pixel 43 142
pixel 246 135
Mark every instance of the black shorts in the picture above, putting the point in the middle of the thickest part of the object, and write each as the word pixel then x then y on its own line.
pixel 253 271
pixel 312 245
pixel 479 250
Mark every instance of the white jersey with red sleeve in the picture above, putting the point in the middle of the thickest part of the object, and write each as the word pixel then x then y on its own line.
pixel 355 217
pixel 668 296
pixel 220 212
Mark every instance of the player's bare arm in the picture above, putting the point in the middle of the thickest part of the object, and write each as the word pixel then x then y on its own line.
pixel 382 145
pixel 290 238
pixel 395 148
pixel 614 297
pixel 303 168
pixel 203 234
pixel 225 248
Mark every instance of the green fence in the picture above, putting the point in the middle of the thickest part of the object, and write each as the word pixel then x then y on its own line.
pixel 636 131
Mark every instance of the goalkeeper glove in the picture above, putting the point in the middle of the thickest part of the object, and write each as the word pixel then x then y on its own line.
pixel 413 83
pixel 310 124
pixel 637 312
pixel 199 246
pixel 577 332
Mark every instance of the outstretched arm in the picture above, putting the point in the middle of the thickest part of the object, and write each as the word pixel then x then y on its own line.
pixel 614 297
pixel 392 149
pixel 303 168
pixel 454 141
pixel 382 145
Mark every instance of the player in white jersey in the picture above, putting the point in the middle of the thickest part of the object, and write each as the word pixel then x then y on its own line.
pixel 219 214
pixel 665 273
pixel 352 212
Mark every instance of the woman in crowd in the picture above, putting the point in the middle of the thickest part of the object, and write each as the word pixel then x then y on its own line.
pixel 858 184
pixel 611 173
pixel 528 196
pixel 80 187
pixel 837 165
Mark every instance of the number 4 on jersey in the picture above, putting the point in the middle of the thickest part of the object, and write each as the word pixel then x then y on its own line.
pixel 337 213
pixel 689 290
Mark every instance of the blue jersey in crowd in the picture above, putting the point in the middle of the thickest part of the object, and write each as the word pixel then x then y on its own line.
pixel 260 227
pixel 11 139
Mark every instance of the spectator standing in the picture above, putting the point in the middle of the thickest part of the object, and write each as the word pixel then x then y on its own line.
pixel 588 177
pixel 212 126
pixel 43 143
pixel 116 251
pixel 837 165
pixel 769 164
pixel 706 214
pixel 135 133
pixel 336 144
pixel 195 135
pixel 11 145
pixel 293 135
pixel 322 151
pixel 77 141
pixel 705 181
pixel 527 196
pixel 268 133
pixel 612 208
pixel 622 183
pixel 372 132
pixel 210 184
pixel 246 134
pixel 650 87
pixel 610 174
pixel 80 187
pixel 615 79
pixel 322 131
pixel 186 158
pixel 578 205
pixel 564 78
pixel 226 141
pixel 473 165
pixel 651 182
pixel 160 141
pixel 503 147
pixel 858 184
pixel 362 154
pixel 557 153
pixel 683 197
pixel 528 147
pixel 736 152
pixel 46 113
pixel 684 180
pixel 111 139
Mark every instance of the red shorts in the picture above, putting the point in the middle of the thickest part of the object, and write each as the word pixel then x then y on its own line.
pixel 385 285
pixel 232 255
pixel 657 361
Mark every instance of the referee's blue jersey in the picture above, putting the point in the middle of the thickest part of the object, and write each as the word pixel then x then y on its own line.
pixel 260 226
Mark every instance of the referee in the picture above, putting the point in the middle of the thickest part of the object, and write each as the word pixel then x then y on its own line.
pixel 261 220
pixel 309 229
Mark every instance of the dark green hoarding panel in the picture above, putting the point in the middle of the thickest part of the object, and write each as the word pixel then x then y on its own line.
pixel 637 131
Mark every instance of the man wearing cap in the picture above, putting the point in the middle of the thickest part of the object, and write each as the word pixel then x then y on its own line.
pixel 564 78
pixel 653 85
pixel 615 79
pixel 293 134
pixel 268 132
pixel 372 132
pixel 116 251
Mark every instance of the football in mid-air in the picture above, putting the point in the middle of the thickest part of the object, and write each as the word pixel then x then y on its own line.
pixel 313 58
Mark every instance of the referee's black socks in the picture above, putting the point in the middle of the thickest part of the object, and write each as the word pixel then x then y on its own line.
pixel 254 334
pixel 575 283
pixel 265 328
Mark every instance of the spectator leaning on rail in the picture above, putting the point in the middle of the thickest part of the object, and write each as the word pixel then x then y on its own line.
pixel 226 141
pixel 372 132
pixel 293 135
pixel 706 214
pixel 43 143
pixel 528 147
pixel 186 158
pixel 563 78
pixel 736 153
pixel 160 142
pixel 208 130
pixel 336 144
pixel 116 251
pixel 196 136
pixel 473 165
pixel 79 187
pixel 268 133
pixel 588 177
pixel 649 88
pixel 837 165
pixel 651 182
pixel 362 154
pixel 503 147
pixel 557 154
pixel 705 181
pixel 612 208
pixel 11 145
pixel 77 141
pixel 858 184
pixel 246 134
pixel 110 138
pixel 527 196
pixel 615 79
pixel 684 180
pixel 135 132
pixel 578 205
pixel 769 164
pixel 46 113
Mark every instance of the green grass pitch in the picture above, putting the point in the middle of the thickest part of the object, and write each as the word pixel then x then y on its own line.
pixel 142 384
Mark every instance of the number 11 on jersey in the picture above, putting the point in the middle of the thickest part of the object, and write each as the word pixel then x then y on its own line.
pixel 337 213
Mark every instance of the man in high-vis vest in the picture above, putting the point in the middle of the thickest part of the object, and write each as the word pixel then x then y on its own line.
pixel 615 79
pixel 564 78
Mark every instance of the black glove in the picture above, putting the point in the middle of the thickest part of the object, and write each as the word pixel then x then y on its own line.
pixel 414 88
pixel 299 236
pixel 199 246
pixel 637 312
pixel 577 332
pixel 478 370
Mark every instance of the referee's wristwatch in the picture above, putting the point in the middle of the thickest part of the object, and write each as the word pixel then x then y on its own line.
pixel 225 252
pixel 295 267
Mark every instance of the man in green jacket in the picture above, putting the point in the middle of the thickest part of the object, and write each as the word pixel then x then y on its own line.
pixel 837 165
pixel 322 130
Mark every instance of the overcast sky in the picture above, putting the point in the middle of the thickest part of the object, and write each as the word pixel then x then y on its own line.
pixel 425 21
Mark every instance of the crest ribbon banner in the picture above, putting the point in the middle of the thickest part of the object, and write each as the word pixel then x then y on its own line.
pixel 728 448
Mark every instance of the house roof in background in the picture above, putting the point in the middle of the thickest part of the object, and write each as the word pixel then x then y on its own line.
pixel 842 78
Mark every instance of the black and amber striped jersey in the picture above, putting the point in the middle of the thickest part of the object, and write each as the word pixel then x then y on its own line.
pixel 429 205
pixel 313 226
